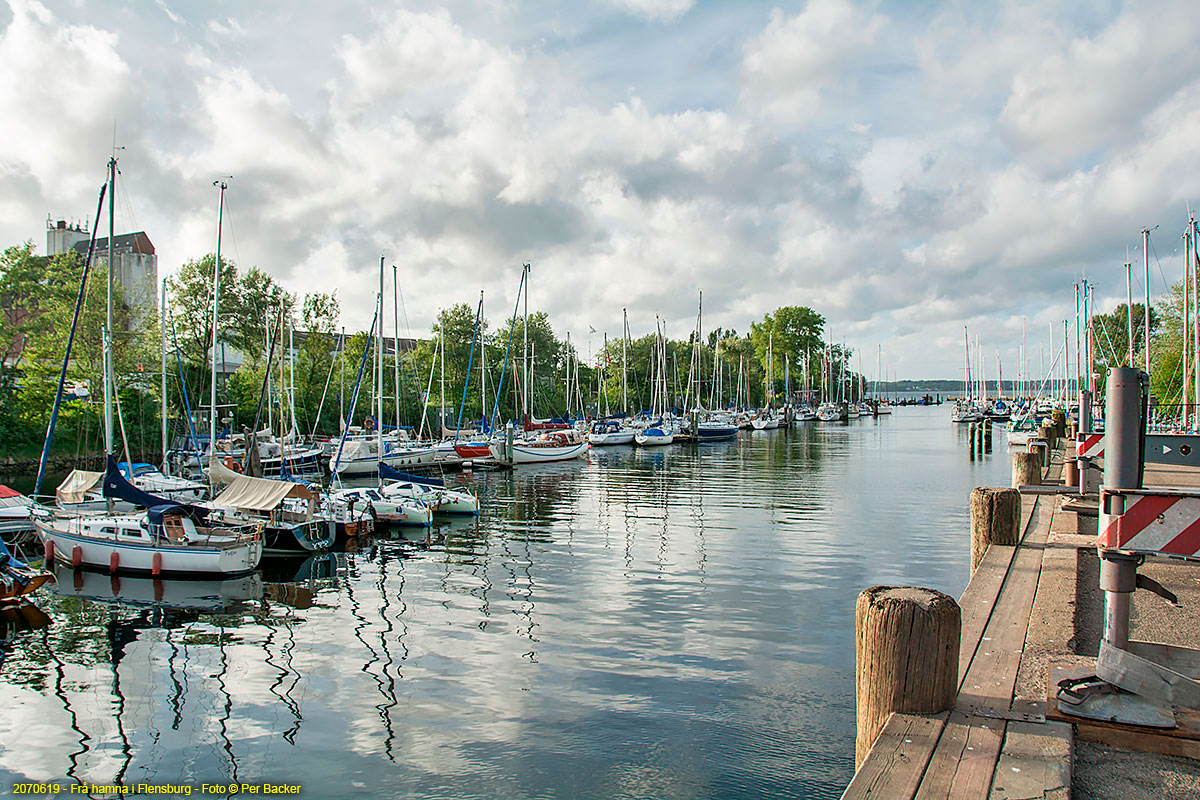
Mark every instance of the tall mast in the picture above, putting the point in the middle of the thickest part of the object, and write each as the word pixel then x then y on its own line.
pixel 379 373
pixel 1146 318
pixel 212 395
pixel 624 361
pixel 396 342
pixel 1129 306
pixel 162 325
pixel 482 366
pixel 442 326
pixel 342 391
pixel 108 387
pixel 528 387
pixel 1195 312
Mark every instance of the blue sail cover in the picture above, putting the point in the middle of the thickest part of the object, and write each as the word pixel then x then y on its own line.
pixel 388 473
pixel 117 487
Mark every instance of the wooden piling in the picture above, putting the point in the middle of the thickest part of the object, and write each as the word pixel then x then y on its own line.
pixel 1047 433
pixel 995 519
pixel 906 647
pixel 1070 472
pixel 1027 469
pixel 1058 419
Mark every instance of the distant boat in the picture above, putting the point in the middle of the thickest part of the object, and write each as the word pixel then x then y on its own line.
pixel 287 513
pixel 610 432
pixel 550 446
pixel 398 510
pixel 715 427
pixel 654 437
pixel 828 412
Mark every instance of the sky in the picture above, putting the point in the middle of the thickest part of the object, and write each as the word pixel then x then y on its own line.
pixel 903 168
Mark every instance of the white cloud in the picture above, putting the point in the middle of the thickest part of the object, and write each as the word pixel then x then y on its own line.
pixel 991 146
pixel 1089 93
pixel 62 88
pixel 788 69
pixel 654 10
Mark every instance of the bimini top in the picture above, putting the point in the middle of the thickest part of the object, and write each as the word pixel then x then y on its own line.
pixel 259 494
pixel 156 513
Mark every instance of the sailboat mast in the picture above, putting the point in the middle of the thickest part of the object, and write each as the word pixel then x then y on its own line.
pixel 212 395
pixel 483 367
pixel 624 361
pixel 1146 316
pixel 396 342
pixel 379 372
pixel 162 326
pixel 528 388
pixel 108 387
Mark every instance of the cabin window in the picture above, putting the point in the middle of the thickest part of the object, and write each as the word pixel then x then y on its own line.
pixel 109 530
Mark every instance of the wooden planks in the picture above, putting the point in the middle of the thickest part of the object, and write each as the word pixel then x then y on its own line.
pixel 897 760
pixel 957 754
pixel 964 760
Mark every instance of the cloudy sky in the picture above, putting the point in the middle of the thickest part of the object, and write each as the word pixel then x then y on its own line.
pixel 903 168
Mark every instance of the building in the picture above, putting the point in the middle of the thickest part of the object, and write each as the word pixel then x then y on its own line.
pixel 136 265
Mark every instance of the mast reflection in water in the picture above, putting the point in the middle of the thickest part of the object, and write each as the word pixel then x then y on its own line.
pixel 667 622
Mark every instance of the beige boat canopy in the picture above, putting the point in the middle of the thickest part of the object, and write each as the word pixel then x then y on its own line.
pixel 76 486
pixel 260 494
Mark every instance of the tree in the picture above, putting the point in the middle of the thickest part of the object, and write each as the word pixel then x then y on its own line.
pixel 1110 332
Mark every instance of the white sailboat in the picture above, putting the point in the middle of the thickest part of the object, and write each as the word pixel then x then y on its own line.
pixel 167 538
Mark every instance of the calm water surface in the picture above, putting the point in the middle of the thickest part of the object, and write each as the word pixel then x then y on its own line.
pixel 670 623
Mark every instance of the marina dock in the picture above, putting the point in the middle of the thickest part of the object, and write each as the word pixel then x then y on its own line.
pixel 1031 614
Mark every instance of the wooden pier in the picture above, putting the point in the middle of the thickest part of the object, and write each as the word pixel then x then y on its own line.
pixel 1029 613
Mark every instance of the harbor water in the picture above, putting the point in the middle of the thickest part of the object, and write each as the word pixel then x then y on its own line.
pixel 675 622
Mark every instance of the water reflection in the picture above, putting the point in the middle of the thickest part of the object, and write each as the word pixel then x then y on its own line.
pixel 666 622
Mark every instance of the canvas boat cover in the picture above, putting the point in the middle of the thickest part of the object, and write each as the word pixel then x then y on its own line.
pixel 76 485
pixel 219 473
pixel 259 494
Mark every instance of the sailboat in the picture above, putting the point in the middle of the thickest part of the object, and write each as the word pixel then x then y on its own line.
pixel 168 537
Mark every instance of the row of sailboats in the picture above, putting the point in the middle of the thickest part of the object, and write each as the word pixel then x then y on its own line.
pixel 136 518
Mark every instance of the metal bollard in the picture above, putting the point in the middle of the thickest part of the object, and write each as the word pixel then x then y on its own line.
pixel 1124 442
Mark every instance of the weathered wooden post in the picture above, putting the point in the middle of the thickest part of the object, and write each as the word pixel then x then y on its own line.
pixel 995 519
pixel 906 648
pixel 1058 419
pixel 1070 471
pixel 1027 469
pixel 987 433
pixel 1047 433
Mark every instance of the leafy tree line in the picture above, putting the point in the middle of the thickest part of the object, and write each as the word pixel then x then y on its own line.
pixel 37 298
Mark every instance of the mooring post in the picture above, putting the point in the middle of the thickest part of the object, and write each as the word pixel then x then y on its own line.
pixel 906 648
pixel 1026 469
pixel 1058 418
pixel 1124 432
pixel 995 519
pixel 508 443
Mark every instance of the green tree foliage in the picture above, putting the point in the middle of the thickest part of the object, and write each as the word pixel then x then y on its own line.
pixel 1110 332
pixel 39 296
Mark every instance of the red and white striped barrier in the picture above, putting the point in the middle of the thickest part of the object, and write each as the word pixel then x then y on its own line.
pixel 1155 522
pixel 1089 445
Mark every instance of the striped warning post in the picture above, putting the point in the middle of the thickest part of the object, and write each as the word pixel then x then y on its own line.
pixel 1089 445
pixel 1155 522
